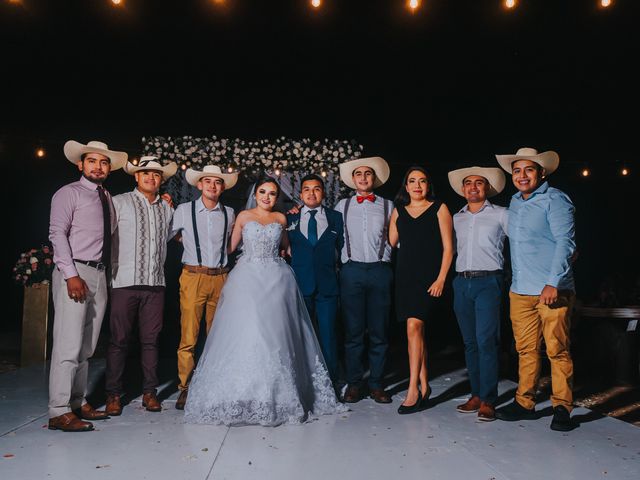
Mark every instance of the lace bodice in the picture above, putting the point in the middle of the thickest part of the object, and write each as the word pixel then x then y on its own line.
pixel 261 242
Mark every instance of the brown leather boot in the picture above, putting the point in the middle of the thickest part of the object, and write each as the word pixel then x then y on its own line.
pixel 87 412
pixel 379 395
pixel 352 394
pixel 69 422
pixel 486 412
pixel 182 399
pixel 470 406
pixel 151 403
pixel 113 407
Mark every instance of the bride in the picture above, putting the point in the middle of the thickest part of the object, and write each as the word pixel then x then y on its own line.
pixel 262 362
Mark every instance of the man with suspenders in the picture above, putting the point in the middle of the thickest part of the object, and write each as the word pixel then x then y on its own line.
pixel 366 275
pixel 205 225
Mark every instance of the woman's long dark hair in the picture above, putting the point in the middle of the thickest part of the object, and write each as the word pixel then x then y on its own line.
pixel 402 197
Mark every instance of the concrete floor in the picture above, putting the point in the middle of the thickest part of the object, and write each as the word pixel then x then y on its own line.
pixel 370 442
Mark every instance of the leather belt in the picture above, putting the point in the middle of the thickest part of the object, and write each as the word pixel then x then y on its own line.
pixel 97 265
pixel 479 273
pixel 205 270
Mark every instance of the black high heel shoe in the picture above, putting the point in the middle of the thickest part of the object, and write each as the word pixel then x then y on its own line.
pixel 424 402
pixel 406 409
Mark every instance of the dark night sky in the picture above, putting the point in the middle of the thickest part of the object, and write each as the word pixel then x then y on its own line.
pixel 447 87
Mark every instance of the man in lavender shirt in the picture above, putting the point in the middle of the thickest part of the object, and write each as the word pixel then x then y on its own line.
pixel 80 230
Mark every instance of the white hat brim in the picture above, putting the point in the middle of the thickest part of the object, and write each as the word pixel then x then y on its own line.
pixel 378 164
pixel 194 176
pixel 548 160
pixel 168 170
pixel 494 176
pixel 74 150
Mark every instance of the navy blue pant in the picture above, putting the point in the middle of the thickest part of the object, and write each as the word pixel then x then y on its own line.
pixel 477 303
pixel 325 309
pixel 365 296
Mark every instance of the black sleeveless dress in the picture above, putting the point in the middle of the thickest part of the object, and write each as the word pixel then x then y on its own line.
pixel 418 262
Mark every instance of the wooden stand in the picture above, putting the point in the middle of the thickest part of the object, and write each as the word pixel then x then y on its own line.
pixel 35 324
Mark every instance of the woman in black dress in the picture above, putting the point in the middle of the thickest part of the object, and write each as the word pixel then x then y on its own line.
pixel 422 228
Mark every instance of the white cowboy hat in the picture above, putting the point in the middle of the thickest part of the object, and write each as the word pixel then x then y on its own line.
pixel 548 160
pixel 74 150
pixel 378 164
pixel 152 163
pixel 494 176
pixel 194 176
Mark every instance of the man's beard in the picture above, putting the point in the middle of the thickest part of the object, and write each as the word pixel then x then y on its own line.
pixel 98 181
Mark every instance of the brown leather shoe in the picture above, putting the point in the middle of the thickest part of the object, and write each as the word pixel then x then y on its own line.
pixel 379 395
pixel 486 412
pixel 182 399
pixel 69 422
pixel 352 394
pixel 87 412
pixel 470 406
pixel 151 402
pixel 113 407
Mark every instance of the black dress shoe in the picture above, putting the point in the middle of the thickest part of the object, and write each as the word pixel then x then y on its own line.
pixel 562 421
pixel 515 412
pixel 416 407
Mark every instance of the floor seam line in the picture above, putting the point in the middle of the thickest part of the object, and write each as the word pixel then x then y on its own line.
pixel 218 454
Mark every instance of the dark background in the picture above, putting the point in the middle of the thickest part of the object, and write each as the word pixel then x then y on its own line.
pixel 446 87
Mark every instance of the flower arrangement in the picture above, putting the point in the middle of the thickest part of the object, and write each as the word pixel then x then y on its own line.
pixel 34 266
pixel 253 157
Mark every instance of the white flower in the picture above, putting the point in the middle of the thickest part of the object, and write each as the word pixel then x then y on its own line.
pixel 292 226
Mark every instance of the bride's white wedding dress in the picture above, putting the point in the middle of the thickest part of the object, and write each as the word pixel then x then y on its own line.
pixel 261 363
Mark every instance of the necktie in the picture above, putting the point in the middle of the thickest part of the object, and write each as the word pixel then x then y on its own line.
pixel 361 198
pixel 312 233
pixel 106 223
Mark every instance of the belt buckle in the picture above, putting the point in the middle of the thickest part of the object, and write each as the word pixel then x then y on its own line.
pixel 100 266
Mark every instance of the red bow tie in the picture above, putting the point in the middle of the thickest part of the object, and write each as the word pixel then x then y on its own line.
pixel 361 198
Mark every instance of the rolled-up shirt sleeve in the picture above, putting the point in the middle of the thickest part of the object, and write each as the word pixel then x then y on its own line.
pixel 62 207
pixel 562 226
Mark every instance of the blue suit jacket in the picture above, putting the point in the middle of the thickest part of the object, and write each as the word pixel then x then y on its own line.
pixel 315 267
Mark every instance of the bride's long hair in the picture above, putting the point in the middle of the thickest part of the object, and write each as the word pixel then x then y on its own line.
pixel 267 179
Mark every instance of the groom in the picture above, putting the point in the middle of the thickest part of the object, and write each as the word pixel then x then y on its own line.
pixel 316 237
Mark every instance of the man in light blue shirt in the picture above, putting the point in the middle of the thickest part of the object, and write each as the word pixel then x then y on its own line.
pixel 542 239
pixel 480 229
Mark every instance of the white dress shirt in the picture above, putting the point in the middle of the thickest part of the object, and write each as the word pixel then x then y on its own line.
pixel 480 237
pixel 321 219
pixel 139 246
pixel 365 223
pixel 210 225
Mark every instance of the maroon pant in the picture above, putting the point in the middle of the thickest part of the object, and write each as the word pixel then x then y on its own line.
pixel 129 305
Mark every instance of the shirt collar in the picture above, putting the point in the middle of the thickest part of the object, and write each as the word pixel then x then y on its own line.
pixel 486 204
pixel 88 184
pixel 201 206
pixel 141 195
pixel 541 189
pixel 306 209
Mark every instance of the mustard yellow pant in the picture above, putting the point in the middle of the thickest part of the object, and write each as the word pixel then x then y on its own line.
pixel 533 321
pixel 198 293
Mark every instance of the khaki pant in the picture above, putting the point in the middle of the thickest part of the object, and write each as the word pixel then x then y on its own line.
pixel 76 329
pixel 199 293
pixel 531 322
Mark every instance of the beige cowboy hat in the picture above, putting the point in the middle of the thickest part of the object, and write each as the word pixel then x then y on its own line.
pixel 494 176
pixel 378 164
pixel 194 176
pixel 547 160
pixel 74 150
pixel 152 163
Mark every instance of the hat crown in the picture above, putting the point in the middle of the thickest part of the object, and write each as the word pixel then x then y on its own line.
pixel 96 144
pixel 212 169
pixel 527 151
pixel 149 161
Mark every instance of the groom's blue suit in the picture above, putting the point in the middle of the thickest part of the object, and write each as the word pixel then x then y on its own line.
pixel 315 269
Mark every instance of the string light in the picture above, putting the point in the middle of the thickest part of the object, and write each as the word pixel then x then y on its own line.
pixel 605 3
pixel 117 3
pixel 230 169
pixel 509 4
pixel 624 172
pixel 324 174
pixel 277 172
pixel 413 5
pixel 316 3
pixel 183 166
pixel 40 153
pixel 134 160
pixel 585 172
